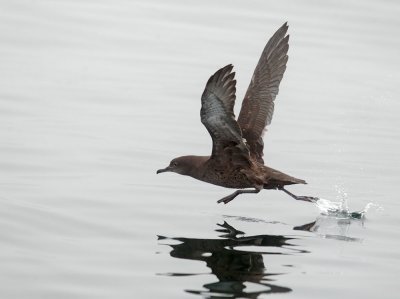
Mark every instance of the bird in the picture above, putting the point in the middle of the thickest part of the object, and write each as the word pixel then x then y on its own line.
pixel 236 160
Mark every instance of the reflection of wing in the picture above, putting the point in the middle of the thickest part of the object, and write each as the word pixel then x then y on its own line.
pixel 258 104
pixel 217 114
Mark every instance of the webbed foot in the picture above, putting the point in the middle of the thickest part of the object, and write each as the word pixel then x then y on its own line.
pixel 303 198
pixel 228 198
pixel 307 198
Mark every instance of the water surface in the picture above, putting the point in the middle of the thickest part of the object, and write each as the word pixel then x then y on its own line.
pixel 97 95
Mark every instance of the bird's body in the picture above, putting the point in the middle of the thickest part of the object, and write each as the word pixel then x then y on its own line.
pixel 236 160
pixel 237 176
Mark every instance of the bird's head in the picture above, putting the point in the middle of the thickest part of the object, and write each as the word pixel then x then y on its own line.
pixel 182 165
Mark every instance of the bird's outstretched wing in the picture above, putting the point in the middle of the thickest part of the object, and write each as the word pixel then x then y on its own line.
pixel 258 104
pixel 217 115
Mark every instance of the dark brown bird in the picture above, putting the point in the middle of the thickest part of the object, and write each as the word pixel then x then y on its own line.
pixel 236 160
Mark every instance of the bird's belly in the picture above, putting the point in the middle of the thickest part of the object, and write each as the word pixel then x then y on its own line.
pixel 232 179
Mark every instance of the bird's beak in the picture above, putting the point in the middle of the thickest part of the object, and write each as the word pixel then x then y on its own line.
pixel 163 170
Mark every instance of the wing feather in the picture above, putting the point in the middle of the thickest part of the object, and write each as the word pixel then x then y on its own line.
pixel 217 103
pixel 258 104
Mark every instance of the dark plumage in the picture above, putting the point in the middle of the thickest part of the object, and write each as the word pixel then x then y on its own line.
pixel 236 160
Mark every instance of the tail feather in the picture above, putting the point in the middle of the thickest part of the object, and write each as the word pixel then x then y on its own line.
pixel 294 180
pixel 276 179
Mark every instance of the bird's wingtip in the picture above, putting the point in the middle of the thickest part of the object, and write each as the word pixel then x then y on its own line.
pixel 228 67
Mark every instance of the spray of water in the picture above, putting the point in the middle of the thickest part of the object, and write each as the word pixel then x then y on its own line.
pixel 340 209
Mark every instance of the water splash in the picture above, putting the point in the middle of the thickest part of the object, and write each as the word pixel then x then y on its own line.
pixel 337 209
pixel 340 209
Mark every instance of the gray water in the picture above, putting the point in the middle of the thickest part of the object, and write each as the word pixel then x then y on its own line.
pixel 97 95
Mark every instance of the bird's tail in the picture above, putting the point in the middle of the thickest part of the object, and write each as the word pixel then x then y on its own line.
pixel 275 178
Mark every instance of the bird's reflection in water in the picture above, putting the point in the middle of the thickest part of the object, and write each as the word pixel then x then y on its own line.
pixel 332 228
pixel 236 270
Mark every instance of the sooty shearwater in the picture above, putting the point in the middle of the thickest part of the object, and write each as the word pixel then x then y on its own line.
pixel 236 160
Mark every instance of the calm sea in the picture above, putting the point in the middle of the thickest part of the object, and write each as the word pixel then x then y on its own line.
pixel 97 95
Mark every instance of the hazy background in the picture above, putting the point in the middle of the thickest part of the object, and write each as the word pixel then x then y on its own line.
pixel 97 95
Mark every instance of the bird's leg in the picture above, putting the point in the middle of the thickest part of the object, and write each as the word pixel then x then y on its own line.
pixel 296 197
pixel 230 197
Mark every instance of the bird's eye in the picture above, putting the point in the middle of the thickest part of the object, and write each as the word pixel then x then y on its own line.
pixel 175 164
